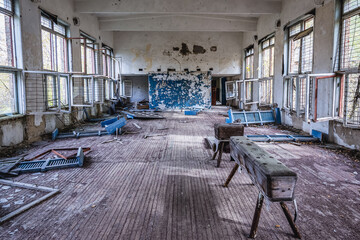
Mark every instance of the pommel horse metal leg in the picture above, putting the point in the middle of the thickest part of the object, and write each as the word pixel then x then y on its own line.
pixel 221 146
pixel 290 220
pixel 256 218
pixel 257 213
pixel 233 171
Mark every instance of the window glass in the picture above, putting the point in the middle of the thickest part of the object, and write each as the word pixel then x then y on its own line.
pixel 6 41
pixel 51 91
pixel 350 5
pixel 64 97
pixel 7 93
pixel 6 4
pixel 54 46
pixel 301 47
pixel 88 55
pixel 350 42
pixel 249 63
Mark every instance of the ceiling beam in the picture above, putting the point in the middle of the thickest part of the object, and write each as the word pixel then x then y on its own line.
pixel 179 6
pixel 179 23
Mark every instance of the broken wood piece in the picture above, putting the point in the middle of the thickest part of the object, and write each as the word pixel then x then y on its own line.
pixel 154 135
pixel 51 192
pixel 137 126
pixel 112 140
pixel 85 150
pixel 58 154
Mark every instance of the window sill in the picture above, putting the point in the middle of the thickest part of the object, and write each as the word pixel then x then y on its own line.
pixel 11 117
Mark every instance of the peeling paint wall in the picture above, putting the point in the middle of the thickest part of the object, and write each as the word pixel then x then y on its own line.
pixel 180 90
pixel 160 51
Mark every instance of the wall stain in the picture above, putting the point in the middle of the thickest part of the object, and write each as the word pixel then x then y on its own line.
pixel 184 49
pixel 145 55
pixel 198 49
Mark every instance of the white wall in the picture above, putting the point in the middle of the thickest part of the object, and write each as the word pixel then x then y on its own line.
pixel 153 50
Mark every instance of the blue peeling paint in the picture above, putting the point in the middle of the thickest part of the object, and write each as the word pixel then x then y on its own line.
pixel 180 90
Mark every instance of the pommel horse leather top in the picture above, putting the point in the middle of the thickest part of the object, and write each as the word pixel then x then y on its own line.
pixel 274 180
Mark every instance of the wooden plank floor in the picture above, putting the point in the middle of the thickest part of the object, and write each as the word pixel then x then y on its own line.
pixel 166 187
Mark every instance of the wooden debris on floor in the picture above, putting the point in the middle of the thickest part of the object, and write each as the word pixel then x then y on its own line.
pixel 142 115
pixel 50 192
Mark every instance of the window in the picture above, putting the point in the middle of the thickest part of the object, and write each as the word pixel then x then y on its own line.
pixel 230 90
pixel 8 103
pixel 267 47
pixel 350 37
pixel 82 94
pixel 249 62
pixel 108 62
pixel 54 45
pixel 107 89
pixel 88 54
pixel 128 88
pixel 352 100
pixel 267 57
pixel 56 91
pixel 350 61
pixel 9 76
pixel 301 46
pixel 266 91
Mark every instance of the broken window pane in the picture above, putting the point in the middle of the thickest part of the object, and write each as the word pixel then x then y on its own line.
pixel 7 94
pixel 6 41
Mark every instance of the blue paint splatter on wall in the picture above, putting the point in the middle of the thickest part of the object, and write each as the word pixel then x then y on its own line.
pixel 180 90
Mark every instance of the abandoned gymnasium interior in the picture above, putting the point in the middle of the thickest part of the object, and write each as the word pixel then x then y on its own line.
pixel 168 119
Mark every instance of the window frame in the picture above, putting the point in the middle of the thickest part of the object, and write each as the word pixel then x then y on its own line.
pixel 264 80
pixel 289 42
pixel 249 54
pixel 16 54
pixel 53 50
pixel 65 108
pixel 89 41
pixel 345 16
pixel 108 55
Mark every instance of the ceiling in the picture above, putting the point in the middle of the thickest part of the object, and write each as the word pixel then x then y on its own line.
pixel 178 15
